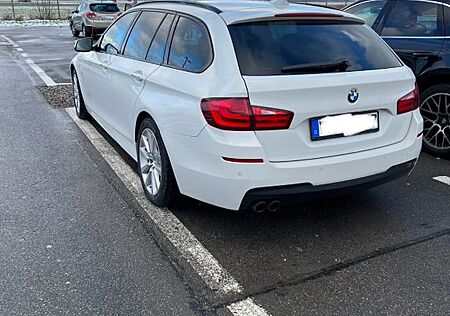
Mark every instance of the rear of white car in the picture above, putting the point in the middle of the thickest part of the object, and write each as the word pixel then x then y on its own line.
pixel 253 104
pixel 298 132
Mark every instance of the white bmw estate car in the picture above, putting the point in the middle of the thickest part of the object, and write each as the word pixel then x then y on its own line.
pixel 250 104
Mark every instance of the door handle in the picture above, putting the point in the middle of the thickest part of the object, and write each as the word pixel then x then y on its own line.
pixel 424 54
pixel 416 54
pixel 104 66
pixel 138 76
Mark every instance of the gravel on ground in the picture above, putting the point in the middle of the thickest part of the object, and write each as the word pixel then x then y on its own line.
pixel 58 96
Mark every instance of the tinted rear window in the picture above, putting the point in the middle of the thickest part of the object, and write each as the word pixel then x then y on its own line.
pixel 107 8
pixel 265 48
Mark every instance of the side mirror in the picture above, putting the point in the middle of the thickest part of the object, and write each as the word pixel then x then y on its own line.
pixel 84 44
pixel 75 11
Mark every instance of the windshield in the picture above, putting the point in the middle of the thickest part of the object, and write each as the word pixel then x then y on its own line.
pixel 107 8
pixel 283 47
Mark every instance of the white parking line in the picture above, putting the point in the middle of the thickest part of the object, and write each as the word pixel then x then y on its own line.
pixel 443 179
pixel 10 41
pixel 202 261
pixel 38 70
pixel 41 73
pixel 246 307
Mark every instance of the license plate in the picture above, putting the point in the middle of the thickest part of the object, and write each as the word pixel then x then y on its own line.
pixel 344 125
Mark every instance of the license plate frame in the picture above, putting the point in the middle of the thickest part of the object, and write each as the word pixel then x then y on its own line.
pixel 315 122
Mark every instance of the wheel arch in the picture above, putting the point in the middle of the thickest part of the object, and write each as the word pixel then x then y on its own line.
pixel 139 119
pixel 432 78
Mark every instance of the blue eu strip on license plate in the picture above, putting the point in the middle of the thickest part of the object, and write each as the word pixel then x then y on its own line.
pixel 315 133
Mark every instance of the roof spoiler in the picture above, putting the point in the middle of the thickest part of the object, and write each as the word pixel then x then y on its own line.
pixel 309 16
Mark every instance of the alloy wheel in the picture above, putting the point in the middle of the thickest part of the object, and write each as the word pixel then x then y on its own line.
pixel 436 115
pixel 150 161
pixel 76 93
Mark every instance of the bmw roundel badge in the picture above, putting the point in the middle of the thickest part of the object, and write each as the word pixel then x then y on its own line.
pixel 353 96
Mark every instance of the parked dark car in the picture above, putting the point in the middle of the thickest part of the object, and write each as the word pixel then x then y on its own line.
pixel 419 32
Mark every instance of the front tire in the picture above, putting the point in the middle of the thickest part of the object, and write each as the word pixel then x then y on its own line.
pixel 78 100
pixel 435 109
pixel 155 170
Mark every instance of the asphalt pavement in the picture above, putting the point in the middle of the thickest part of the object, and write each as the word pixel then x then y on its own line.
pixel 67 218
pixel 69 243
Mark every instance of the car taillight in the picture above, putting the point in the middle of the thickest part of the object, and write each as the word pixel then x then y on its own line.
pixel 409 102
pixel 91 15
pixel 267 118
pixel 237 114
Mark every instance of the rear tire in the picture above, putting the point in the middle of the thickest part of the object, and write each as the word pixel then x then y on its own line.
pixel 74 31
pixel 78 100
pixel 87 31
pixel 155 170
pixel 435 109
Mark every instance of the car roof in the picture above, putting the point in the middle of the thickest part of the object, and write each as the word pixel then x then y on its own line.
pixel 233 11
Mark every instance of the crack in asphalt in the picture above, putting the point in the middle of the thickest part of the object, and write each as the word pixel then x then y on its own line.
pixel 330 270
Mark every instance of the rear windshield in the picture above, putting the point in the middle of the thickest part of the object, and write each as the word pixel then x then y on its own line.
pixel 290 47
pixel 108 8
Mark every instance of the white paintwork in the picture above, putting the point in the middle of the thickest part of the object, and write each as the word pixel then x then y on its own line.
pixel 443 179
pixel 172 97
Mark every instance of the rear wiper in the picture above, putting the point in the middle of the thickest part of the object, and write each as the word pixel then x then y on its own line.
pixel 340 65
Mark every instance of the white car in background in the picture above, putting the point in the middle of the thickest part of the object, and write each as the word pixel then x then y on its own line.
pixel 250 104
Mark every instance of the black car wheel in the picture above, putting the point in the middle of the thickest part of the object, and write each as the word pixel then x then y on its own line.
pixel 435 109
pixel 78 100
pixel 87 31
pixel 74 31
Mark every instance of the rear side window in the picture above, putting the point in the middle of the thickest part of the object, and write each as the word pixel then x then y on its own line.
pixel 447 20
pixel 413 18
pixel 113 38
pixel 191 46
pixel 157 49
pixel 142 34
pixel 368 11
pixel 281 47
pixel 104 8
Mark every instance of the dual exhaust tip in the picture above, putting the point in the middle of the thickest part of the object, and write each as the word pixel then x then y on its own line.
pixel 271 206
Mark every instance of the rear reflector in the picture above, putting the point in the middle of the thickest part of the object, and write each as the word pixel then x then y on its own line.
pixel 308 15
pixel 236 114
pixel 409 102
pixel 240 160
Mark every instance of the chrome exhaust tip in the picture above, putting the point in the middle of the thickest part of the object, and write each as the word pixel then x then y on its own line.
pixel 259 207
pixel 274 206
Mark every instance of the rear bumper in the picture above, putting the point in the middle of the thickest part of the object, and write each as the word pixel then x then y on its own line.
pixel 201 172
pixel 98 26
pixel 296 193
